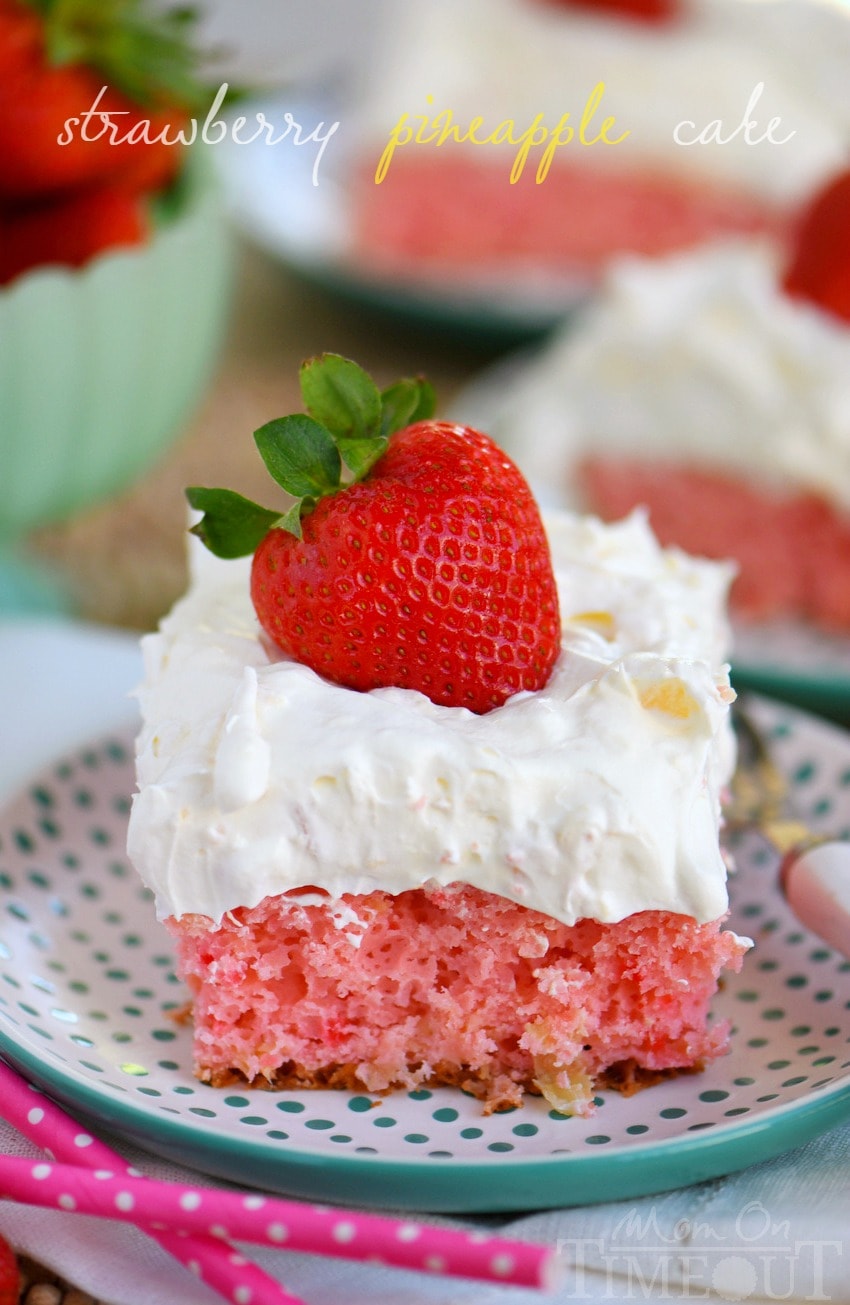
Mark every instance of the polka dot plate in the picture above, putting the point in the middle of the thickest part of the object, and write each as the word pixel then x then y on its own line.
pixel 87 994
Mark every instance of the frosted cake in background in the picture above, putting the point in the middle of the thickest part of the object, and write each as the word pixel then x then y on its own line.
pixel 701 387
pixel 668 71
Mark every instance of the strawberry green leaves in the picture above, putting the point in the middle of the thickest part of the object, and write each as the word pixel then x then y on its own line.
pixel 145 51
pixel 300 454
pixel 360 418
pixel 341 396
pixel 232 526
pixel 406 402
pixel 346 430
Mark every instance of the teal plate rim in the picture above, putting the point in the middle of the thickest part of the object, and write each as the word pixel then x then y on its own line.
pixel 824 692
pixel 462 1187
pixel 668 1154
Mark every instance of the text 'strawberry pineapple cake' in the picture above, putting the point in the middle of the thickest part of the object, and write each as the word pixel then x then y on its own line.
pixel 429 790
pixel 713 389
pixel 537 138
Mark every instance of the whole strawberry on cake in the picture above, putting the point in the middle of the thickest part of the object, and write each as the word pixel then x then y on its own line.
pixel 429 787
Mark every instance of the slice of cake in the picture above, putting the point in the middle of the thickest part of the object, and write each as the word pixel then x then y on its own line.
pixel 712 388
pixel 378 887
pixel 535 139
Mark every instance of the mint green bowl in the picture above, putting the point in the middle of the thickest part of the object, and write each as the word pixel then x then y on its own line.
pixel 100 367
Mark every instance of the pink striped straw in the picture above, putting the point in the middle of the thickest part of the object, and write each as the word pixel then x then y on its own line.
pixel 272 1221
pixel 210 1258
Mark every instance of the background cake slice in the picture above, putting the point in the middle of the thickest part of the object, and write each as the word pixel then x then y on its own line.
pixel 675 166
pixel 712 388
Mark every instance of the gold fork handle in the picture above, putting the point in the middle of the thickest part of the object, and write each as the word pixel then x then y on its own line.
pixel 787 835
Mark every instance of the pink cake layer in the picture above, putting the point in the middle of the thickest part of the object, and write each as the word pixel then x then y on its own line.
pixel 462 212
pixel 450 985
pixel 793 549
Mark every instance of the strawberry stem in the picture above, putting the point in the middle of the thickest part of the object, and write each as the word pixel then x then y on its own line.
pixel 148 55
pixel 232 525
pixel 349 421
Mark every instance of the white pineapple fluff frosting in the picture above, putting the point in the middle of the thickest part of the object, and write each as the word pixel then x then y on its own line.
pixel 597 796
pixel 699 358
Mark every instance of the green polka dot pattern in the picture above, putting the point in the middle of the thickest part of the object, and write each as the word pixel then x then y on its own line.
pixel 87 990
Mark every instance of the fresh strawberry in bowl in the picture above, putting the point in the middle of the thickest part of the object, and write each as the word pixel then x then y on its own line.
pixel 94 98
pixel 114 258
pixel 411 553
pixel 69 231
